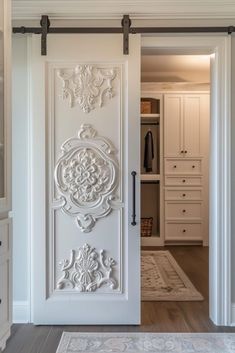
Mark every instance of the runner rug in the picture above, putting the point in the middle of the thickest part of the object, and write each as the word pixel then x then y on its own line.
pixel 162 279
pixel 75 342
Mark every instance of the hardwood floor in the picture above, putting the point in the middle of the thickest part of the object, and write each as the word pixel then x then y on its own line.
pixel 156 316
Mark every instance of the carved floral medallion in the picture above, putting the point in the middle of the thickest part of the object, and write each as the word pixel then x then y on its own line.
pixel 87 86
pixel 86 178
pixel 87 270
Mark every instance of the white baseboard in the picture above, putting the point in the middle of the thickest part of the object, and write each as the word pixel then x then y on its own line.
pixel 21 312
pixel 233 315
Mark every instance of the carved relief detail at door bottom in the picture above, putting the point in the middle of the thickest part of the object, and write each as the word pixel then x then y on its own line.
pixel 87 270
pixel 86 178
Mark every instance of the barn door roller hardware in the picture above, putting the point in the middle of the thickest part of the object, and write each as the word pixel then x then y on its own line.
pixel 125 29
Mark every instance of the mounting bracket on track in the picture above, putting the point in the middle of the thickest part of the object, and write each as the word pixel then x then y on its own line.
pixel 126 24
pixel 45 25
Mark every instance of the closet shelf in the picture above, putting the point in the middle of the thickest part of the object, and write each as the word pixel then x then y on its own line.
pixel 150 117
pixel 149 177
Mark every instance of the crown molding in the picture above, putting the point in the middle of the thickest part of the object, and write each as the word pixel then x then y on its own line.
pixel 114 9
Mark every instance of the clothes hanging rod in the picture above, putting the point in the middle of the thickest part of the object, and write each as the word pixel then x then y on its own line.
pixel 150 181
pixel 149 123
pixel 125 29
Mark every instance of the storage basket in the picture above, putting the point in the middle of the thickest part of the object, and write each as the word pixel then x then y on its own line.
pixel 146 226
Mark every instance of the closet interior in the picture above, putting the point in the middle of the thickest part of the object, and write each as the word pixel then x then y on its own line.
pixel 175 101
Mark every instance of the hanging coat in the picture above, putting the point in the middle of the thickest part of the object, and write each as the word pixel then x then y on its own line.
pixel 148 152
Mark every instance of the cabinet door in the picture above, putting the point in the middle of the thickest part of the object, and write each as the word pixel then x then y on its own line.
pixel 173 126
pixel 193 114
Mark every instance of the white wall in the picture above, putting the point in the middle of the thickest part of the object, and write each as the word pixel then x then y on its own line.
pixel 20 182
pixel 20 160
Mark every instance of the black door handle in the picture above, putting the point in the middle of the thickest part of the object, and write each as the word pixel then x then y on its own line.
pixel 133 223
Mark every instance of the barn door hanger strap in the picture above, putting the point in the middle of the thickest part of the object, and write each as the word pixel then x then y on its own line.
pixel 45 29
pixel 125 29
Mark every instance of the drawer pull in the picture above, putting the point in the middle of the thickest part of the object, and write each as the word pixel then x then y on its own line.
pixel 185 151
pixel 183 181
pixel 183 211
pixel 183 195
pixel 0 301
pixel 175 166
pixel 193 166
pixel 184 230
pixel 181 151
pixel 0 243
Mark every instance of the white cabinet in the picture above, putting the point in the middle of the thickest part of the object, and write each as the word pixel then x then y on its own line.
pixel 173 125
pixel 5 281
pixel 5 173
pixel 183 124
pixel 186 149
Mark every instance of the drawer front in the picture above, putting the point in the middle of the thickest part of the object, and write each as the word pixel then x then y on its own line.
pixel 183 181
pixel 4 236
pixel 183 231
pixel 180 166
pixel 183 194
pixel 183 211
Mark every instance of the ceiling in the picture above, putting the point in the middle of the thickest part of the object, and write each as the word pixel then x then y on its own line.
pixel 138 9
pixel 175 68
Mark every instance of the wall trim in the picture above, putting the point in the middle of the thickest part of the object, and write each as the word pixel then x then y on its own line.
pixel 220 162
pixel 112 9
pixel 233 315
pixel 20 312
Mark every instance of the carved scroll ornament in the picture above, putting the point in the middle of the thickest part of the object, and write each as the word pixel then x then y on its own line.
pixel 86 271
pixel 86 177
pixel 87 86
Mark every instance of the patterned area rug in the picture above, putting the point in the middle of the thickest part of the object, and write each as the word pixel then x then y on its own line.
pixel 75 342
pixel 163 280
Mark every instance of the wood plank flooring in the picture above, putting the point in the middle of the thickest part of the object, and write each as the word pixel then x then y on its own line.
pixel 156 316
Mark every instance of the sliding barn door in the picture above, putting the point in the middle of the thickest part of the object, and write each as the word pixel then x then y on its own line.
pixel 85 145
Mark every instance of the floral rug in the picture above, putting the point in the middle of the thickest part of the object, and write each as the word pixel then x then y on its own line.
pixel 77 342
pixel 162 279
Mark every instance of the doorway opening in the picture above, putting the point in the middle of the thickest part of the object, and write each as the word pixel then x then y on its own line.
pixel 175 117
pixel 179 122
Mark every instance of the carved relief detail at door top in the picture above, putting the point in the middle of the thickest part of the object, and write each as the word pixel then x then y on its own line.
pixel 87 85
pixel 86 178
pixel 87 270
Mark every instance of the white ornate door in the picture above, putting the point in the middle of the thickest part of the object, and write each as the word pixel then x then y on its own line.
pixel 85 144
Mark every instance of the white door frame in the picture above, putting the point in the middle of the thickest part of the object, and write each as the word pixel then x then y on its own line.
pixel 220 160
pixel 220 168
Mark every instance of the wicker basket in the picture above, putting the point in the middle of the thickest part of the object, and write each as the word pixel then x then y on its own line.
pixel 146 226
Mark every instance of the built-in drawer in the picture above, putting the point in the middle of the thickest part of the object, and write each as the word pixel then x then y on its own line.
pixel 183 166
pixel 183 194
pixel 4 235
pixel 184 211
pixel 183 231
pixel 183 181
